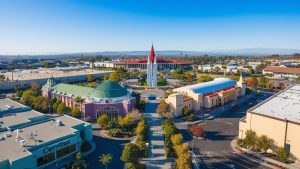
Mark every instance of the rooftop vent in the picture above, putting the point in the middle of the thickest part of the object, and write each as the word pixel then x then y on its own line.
pixel 58 122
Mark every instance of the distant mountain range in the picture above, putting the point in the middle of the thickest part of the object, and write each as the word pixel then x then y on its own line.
pixel 236 52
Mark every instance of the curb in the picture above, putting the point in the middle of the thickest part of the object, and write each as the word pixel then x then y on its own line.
pixel 264 160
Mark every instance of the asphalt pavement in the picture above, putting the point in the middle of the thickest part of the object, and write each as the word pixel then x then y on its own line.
pixel 214 150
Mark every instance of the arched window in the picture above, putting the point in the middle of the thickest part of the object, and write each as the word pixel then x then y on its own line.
pixel 109 111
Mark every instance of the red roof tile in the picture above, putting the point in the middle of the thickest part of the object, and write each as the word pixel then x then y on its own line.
pixel 278 69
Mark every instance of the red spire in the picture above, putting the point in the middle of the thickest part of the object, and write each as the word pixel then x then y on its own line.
pixel 152 55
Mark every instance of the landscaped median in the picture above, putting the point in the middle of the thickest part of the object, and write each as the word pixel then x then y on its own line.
pixel 262 149
pixel 174 146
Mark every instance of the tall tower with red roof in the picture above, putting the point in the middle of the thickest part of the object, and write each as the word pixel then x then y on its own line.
pixel 152 69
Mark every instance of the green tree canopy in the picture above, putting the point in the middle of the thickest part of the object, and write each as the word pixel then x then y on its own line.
pixel 131 153
pixel 103 120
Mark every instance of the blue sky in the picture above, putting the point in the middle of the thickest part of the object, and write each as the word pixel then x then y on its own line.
pixel 66 26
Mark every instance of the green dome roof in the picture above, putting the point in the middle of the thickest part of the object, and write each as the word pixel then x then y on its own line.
pixel 109 89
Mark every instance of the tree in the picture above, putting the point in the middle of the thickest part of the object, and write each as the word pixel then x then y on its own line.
pixel 89 78
pixel 204 78
pixel 282 154
pixel 250 140
pixel 121 122
pixel 103 120
pixel 262 81
pixel 269 85
pixel 105 77
pixel 184 160
pixel 130 153
pixel 36 87
pixel 79 162
pixel 128 120
pixel 62 109
pixel 27 96
pixel 114 76
pixel 177 139
pixel 136 114
pixel 260 67
pixel 196 130
pixel 2 78
pixel 56 104
pixel 162 108
pixel 185 111
pixel 75 112
pixel 105 159
pixel 264 143
pixel 40 103
pixel 224 67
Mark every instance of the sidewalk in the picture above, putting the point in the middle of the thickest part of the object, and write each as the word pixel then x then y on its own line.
pixel 268 162
pixel 156 156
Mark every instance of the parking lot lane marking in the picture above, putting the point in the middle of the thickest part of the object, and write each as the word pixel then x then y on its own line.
pixel 241 159
pixel 243 166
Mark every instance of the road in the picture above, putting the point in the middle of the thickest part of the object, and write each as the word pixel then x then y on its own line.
pixel 214 151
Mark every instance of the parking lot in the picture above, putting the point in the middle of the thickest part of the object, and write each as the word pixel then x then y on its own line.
pixel 214 150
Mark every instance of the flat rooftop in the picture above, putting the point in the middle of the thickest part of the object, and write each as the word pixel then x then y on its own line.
pixel 44 129
pixel 284 105
pixel 7 103
pixel 47 73
pixel 45 132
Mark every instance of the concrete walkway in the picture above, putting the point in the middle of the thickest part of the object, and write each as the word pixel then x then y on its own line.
pixel 156 158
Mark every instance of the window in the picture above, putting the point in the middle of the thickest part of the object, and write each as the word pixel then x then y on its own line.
pixel 45 159
pixel 110 111
pixel 65 151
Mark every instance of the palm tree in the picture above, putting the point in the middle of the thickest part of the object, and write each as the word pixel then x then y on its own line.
pixel 79 162
pixel 105 159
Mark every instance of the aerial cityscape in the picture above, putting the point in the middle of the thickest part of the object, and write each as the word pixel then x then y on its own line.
pixel 91 84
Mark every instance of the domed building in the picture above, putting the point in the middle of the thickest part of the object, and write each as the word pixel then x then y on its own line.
pixel 108 98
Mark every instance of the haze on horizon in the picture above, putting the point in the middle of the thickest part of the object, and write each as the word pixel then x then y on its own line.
pixel 75 26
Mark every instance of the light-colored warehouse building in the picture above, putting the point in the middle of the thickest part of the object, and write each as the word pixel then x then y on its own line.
pixel 278 117
pixel 205 95
pixel 32 140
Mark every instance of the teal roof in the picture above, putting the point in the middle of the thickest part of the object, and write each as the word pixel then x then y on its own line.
pixel 72 89
pixel 109 89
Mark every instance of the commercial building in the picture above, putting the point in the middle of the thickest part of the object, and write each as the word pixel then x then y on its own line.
pixel 278 71
pixel 24 78
pixel 32 140
pixel 278 118
pixel 105 64
pixel 108 98
pixel 205 95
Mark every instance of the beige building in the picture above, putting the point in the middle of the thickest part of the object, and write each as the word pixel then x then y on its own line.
pixel 206 95
pixel 278 118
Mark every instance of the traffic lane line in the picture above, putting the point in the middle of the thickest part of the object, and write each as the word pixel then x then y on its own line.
pixel 230 160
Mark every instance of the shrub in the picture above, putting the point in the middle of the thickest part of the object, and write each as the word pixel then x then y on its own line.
pixel 103 120
pixel 168 151
pixel 177 139
pixel 264 143
pixel 75 112
pixel 250 140
pixel 282 154
pixel 240 142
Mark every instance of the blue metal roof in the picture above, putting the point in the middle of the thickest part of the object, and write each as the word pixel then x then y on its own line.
pixel 216 84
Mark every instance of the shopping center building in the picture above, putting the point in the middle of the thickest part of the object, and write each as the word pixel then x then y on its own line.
pixel 32 140
pixel 205 95
pixel 278 118
pixel 108 98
